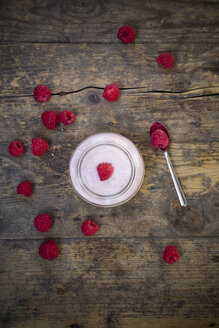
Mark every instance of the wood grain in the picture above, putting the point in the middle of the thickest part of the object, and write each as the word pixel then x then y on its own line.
pixel 157 21
pixel 76 287
pixel 191 119
pixel 77 66
pixel 117 278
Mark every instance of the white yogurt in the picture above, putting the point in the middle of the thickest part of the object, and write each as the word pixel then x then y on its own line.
pixel 121 174
pixel 111 148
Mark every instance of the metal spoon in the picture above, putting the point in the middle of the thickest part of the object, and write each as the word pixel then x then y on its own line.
pixel 179 191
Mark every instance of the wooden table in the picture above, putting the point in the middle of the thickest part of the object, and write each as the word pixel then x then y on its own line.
pixel 116 278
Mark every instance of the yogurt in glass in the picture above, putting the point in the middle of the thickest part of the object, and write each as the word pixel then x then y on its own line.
pixel 111 148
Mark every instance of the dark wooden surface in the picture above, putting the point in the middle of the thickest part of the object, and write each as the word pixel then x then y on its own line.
pixel 116 279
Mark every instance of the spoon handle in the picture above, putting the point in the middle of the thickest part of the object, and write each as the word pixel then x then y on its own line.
pixel 179 191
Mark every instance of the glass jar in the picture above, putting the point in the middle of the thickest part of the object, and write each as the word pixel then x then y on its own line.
pixel 111 148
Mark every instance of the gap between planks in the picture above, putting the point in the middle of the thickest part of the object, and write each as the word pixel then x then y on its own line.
pixel 181 94
pixel 120 238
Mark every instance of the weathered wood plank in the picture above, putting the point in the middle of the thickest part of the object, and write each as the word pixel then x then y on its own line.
pixel 193 131
pixel 150 213
pixel 186 22
pixel 75 66
pixel 191 120
pixel 143 322
pixel 95 281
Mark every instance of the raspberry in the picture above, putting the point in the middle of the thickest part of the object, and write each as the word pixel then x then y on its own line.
pixel 170 255
pixel 25 187
pixel 166 59
pixel 89 227
pixel 67 117
pixel 16 148
pixel 39 146
pixel 50 119
pixel 111 92
pixel 43 222
pixel 157 125
pixel 126 34
pixel 42 93
pixel 49 250
pixel 159 139
pixel 105 170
